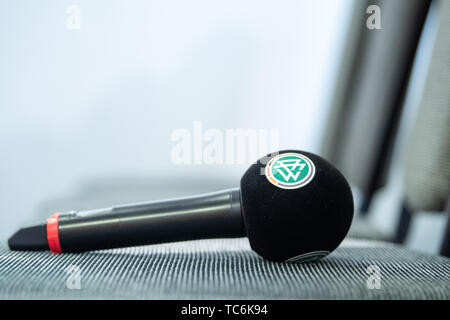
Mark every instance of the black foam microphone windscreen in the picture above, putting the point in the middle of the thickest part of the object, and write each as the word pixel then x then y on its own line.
pixel 289 217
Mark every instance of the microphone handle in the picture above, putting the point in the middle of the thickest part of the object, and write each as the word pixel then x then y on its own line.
pixel 213 215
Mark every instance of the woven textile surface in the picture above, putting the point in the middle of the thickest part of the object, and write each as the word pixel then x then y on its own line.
pixel 223 269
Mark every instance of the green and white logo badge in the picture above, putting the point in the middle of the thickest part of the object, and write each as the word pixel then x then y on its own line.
pixel 290 170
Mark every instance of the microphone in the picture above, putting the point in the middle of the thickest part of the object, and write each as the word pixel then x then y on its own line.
pixel 294 206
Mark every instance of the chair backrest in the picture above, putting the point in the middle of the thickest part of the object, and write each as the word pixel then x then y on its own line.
pixel 370 91
pixel 427 164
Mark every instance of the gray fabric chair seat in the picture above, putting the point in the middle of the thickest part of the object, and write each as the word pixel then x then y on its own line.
pixel 223 269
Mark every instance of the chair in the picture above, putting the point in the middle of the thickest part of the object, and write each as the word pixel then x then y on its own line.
pixel 229 269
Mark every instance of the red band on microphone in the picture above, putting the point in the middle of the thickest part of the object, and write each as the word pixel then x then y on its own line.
pixel 53 234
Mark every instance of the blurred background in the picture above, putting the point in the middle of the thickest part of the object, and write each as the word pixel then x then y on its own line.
pixel 94 96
